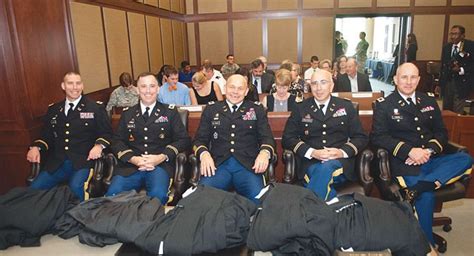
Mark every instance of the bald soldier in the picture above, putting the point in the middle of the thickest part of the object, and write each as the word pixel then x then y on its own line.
pixel 234 142
pixel 325 133
pixel 409 125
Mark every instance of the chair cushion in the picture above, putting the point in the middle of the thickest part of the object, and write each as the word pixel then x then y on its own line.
pixel 349 188
pixel 451 192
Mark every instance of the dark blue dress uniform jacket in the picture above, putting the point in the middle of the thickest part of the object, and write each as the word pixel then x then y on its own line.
pixel 399 127
pixel 241 134
pixel 75 135
pixel 162 133
pixel 340 128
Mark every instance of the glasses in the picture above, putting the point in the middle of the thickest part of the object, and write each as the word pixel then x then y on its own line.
pixel 321 82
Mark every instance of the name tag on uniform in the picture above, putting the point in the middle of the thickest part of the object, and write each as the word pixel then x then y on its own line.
pixel 216 123
pixel 54 121
pixel 131 126
pixel 396 115
pixel 87 115
pixel 162 119
pixel 307 119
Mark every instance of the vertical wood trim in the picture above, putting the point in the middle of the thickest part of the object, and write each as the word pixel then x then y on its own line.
pixel 374 4
pixel 446 29
pixel 162 45
pixel 186 41
pixel 129 44
pixel 230 29
pixel 147 44
pixel 264 6
pixel 265 35
pixel 197 43
pixel 172 44
pixel 412 5
pixel 106 49
pixel 299 40
pixel 70 35
pixel 195 7
pixel 336 4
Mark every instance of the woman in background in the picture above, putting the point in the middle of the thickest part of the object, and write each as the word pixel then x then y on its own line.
pixel 203 90
pixel 412 47
pixel 281 100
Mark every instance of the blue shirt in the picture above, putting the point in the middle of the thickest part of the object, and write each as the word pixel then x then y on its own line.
pixel 185 77
pixel 180 96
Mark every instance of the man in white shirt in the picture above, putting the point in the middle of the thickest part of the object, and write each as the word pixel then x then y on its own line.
pixel 314 66
pixel 214 75
pixel 352 80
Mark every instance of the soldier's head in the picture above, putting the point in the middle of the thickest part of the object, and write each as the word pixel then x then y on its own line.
pixel 351 67
pixel 321 85
pixel 362 35
pixel 230 59
pixel 147 88
pixel 236 89
pixel 407 78
pixel 126 80
pixel 72 85
pixel 457 34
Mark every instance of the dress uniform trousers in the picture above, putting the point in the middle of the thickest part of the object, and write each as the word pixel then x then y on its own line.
pixel 443 169
pixel 321 177
pixel 231 173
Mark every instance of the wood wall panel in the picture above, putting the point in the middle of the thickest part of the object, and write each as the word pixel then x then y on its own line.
pixel 248 40
pixel 212 6
pixel 175 6
pixel 282 5
pixel 282 40
pixel 354 3
pixel 138 44
pixel 430 2
pixel 155 49
pixel 246 5
pixel 313 4
pixel 191 44
pixel 429 30
pixel 462 2
pixel 151 2
pixel 466 20
pixel 316 42
pixel 118 47
pixel 7 113
pixel 165 4
pixel 167 41
pixel 214 41
pixel 393 3
pixel 189 6
pixel 178 42
pixel 90 46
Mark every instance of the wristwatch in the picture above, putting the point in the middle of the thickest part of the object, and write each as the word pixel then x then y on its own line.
pixel 431 151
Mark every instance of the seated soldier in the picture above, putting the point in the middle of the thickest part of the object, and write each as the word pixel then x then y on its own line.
pixel 75 132
pixel 326 134
pixel 234 142
pixel 125 95
pixel 174 92
pixel 149 137
pixel 409 125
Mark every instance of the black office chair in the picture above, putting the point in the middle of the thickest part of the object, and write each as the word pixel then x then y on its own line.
pixel 388 187
pixel 106 174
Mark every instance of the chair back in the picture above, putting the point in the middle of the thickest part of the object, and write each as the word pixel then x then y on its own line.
pixel 433 68
pixel 183 115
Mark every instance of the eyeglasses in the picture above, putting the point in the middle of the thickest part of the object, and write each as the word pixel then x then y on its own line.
pixel 321 82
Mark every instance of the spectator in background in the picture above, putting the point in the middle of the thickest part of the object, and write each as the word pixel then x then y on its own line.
pixel 297 84
pixel 214 75
pixel 230 67
pixel 126 95
pixel 341 66
pixel 262 81
pixel 353 81
pixel 265 67
pixel 281 100
pixel 326 65
pixel 174 92
pixel 185 74
pixel 161 77
pixel 412 47
pixel 338 46
pixel 314 66
pixel 361 52
pixel 203 90
pixel 252 94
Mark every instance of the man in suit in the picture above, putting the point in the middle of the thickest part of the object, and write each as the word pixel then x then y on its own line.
pixel 262 81
pixel 234 142
pixel 352 80
pixel 149 137
pixel 326 134
pixel 75 132
pixel 409 125
pixel 457 71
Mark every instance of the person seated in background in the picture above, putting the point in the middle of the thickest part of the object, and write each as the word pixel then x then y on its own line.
pixel 174 92
pixel 353 81
pixel 149 137
pixel 297 84
pixel 126 95
pixel 281 100
pixel 161 76
pixel 75 132
pixel 230 67
pixel 234 142
pixel 185 74
pixel 341 67
pixel 314 66
pixel 204 91
pixel 262 81
pixel 265 67
pixel 214 75
pixel 326 65
pixel 252 94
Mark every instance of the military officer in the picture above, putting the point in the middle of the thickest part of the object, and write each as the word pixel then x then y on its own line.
pixel 326 134
pixel 409 125
pixel 234 142
pixel 149 137
pixel 74 133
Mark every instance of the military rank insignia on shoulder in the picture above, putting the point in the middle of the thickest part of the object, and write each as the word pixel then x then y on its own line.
pixel 258 103
pixel 50 104
pixel 125 109
pixel 347 99
pixel 211 103
pixel 171 106
pixel 381 99
pixel 99 102
pixel 430 94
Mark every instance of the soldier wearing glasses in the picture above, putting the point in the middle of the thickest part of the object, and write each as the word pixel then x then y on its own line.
pixel 325 134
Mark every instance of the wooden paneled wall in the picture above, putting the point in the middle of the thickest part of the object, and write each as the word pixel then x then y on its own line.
pixel 297 29
pixel 111 39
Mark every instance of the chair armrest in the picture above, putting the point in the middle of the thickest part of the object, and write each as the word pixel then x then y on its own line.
pixel 179 176
pixel 289 172
pixel 35 169
pixel 110 163
pixel 453 147
pixel 387 187
pixel 195 170
pixel 364 160
pixel 270 173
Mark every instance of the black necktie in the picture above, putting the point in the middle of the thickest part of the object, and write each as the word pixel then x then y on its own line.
pixel 455 52
pixel 71 108
pixel 234 108
pixel 321 106
pixel 410 101
pixel 146 114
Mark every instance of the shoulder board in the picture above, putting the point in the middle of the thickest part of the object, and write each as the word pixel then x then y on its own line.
pixel 51 104
pixel 430 94
pixel 99 102
pixel 347 99
pixel 125 108
pixel 171 106
pixel 381 99
pixel 258 103
pixel 211 103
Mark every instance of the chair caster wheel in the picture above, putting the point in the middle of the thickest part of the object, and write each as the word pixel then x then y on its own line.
pixel 442 248
pixel 447 228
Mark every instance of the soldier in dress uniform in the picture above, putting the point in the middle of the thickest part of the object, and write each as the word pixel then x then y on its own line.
pixel 149 137
pixel 326 134
pixel 409 125
pixel 234 142
pixel 75 132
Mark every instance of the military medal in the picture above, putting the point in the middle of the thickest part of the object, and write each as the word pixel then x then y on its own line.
pixel 162 136
pixel 131 138
pixel 306 132
pixel 216 135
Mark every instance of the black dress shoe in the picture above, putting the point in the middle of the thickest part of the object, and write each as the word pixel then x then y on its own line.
pixel 409 195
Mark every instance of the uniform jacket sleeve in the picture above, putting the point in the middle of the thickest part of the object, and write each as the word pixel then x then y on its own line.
pixel 265 135
pixel 46 138
pixel 291 135
pixel 357 138
pixel 104 128
pixel 440 134
pixel 203 134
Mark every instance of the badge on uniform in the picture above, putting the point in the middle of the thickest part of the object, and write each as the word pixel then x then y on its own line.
pixel 306 132
pixel 54 121
pixel 218 122
pixel 396 115
pixel 215 135
pixel 131 125
pixel 307 119
pixel 250 115
pixel 426 109
pixel 131 138
pixel 162 136
pixel 87 115
pixel 340 112
pixel 162 119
